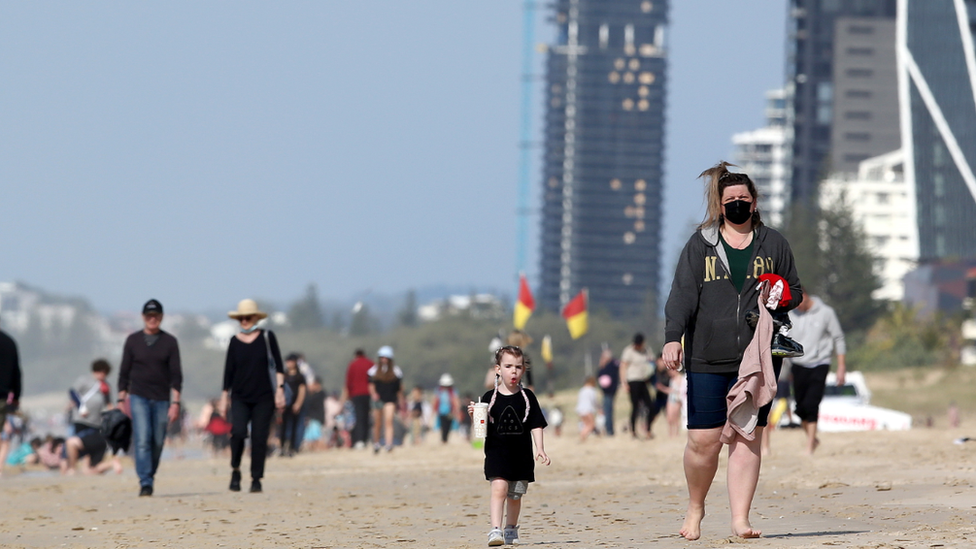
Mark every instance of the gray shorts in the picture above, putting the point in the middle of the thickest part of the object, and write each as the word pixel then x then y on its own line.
pixel 517 488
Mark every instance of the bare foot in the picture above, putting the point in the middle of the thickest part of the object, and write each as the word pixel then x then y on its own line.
pixel 744 530
pixel 691 530
pixel 813 447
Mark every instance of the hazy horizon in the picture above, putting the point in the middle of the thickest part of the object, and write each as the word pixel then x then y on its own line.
pixel 203 153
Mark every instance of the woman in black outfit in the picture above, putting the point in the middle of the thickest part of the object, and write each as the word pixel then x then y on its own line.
pixel 386 388
pixel 248 382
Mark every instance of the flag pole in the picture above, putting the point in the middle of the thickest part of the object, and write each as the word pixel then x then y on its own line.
pixel 587 359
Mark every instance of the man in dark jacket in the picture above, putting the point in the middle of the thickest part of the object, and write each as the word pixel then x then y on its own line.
pixel 151 378
pixel 9 376
pixel 9 385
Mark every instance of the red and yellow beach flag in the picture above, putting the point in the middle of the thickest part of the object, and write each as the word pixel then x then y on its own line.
pixel 546 349
pixel 576 317
pixel 525 304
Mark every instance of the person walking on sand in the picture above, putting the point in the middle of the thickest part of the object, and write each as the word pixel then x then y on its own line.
pixel 293 416
pixel 356 390
pixel 715 284
pixel 386 388
pixel 636 370
pixel 515 421
pixel 446 405
pixel 10 385
pixel 254 386
pixel 816 328
pixel 150 381
pixel 608 377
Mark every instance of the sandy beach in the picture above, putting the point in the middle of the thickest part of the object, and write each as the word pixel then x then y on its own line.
pixel 865 490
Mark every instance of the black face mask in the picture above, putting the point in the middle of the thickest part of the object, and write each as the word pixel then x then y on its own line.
pixel 737 212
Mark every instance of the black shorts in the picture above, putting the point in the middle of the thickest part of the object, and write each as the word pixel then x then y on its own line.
pixel 808 390
pixel 93 445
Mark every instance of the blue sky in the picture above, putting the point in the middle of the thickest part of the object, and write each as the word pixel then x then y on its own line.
pixel 202 152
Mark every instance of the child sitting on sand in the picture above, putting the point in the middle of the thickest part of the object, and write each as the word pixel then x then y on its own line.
pixel 515 420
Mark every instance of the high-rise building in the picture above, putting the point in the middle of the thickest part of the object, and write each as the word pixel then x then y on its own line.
pixel 937 84
pixel 604 154
pixel 882 203
pixel 865 121
pixel 764 154
pixel 811 60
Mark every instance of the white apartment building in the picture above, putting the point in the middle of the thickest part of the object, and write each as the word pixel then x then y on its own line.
pixel 764 154
pixel 883 203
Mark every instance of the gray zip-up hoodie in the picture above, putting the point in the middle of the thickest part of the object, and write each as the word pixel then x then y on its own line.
pixel 704 306
pixel 818 330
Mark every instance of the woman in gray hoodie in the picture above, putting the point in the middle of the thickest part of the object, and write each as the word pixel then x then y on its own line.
pixel 715 284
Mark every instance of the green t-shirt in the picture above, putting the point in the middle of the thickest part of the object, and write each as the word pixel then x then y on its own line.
pixel 738 262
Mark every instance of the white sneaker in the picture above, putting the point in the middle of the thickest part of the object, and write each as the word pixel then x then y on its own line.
pixel 511 535
pixel 495 537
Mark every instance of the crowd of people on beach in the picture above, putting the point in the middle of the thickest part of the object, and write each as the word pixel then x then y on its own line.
pixel 716 376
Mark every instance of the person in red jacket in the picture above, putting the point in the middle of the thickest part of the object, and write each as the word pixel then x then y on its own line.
pixel 356 389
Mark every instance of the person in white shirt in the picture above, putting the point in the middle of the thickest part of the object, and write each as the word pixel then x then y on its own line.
pixel 815 326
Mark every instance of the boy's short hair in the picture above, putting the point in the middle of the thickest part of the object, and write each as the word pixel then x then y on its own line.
pixel 101 365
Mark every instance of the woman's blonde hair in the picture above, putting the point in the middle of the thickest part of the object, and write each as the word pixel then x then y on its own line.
pixel 717 179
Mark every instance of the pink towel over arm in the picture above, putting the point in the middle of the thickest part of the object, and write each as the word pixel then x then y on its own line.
pixel 756 386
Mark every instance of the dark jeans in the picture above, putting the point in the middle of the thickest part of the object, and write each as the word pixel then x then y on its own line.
pixel 608 412
pixel 446 421
pixel 259 415
pixel 808 390
pixel 149 422
pixel 291 429
pixel 640 396
pixel 360 431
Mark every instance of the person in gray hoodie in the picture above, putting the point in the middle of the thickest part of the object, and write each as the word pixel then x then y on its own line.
pixel 715 284
pixel 815 326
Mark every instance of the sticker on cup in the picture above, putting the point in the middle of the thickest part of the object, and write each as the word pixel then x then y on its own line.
pixel 480 420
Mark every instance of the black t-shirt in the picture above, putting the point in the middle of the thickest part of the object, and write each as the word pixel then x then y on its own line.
pixel 246 372
pixel 315 406
pixel 294 382
pixel 387 389
pixel 508 448
pixel 150 371
pixel 9 367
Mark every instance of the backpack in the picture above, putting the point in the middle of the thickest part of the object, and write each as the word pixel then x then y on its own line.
pixel 116 429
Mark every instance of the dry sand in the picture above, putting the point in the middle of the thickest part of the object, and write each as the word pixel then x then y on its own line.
pixel 870 490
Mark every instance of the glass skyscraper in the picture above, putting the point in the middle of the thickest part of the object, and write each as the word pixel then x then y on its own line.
pixel 811 59
pixel 604 154
pixel 937 65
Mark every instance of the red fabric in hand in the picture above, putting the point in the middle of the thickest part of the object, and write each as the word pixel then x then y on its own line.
pixel 773 279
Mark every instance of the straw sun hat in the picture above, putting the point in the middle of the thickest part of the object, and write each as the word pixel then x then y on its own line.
pixel 247 307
